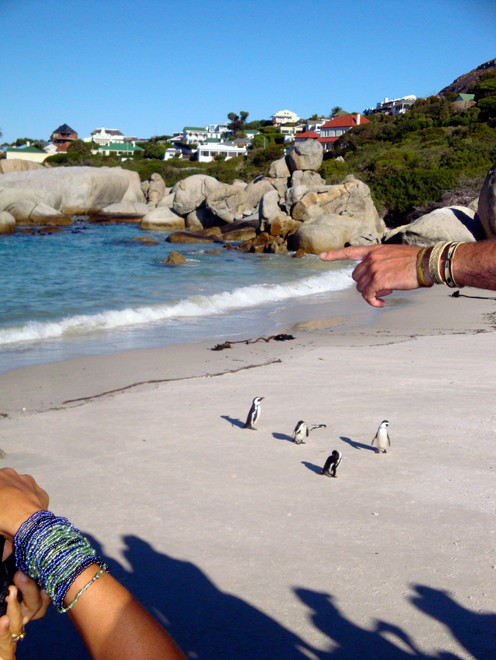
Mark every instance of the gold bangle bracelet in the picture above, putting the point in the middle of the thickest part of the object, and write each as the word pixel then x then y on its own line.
pixel 435 262
pixel 420 267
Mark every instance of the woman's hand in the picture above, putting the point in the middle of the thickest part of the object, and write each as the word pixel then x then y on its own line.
pixel 20 496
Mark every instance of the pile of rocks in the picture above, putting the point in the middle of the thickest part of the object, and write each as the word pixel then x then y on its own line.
pixel 291 208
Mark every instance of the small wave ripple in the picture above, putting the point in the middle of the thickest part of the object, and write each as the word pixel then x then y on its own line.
pixel 196 306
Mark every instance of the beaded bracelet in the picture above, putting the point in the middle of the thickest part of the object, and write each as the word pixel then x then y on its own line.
pixel 53 553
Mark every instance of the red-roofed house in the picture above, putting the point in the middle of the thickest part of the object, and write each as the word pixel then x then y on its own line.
pixel 333 129
pixel 307 135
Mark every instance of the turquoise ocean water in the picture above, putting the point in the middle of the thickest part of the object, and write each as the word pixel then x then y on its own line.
pixel 91 289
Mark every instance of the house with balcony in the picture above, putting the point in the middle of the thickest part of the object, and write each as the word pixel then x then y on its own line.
pixel 194 135
pixel 63 136
pixel 207 152
pixel 284 117
pixel 393 107
pixel 332 130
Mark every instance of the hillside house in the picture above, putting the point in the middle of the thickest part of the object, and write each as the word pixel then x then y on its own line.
pixel 332 130
pixel 284 117
pixel 109 135
pixel 122 149
pixel 208 152
pixel 393 107
pixel 307 135
pixel 63 136
pixel 194 135
pixel 26 152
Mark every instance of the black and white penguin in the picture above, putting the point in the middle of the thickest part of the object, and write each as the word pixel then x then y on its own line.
pixel 302 431
pixel 254 413
pixel 331 465
pixel 382 438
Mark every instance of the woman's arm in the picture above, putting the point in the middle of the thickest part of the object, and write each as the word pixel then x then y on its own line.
pixel 111 622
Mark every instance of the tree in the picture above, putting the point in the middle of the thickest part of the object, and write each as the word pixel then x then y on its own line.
pixel 238 122
pixel 154 150
pixel 79 147
pixel 336 109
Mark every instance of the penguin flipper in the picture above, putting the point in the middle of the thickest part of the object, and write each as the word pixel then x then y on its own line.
pixel 374 439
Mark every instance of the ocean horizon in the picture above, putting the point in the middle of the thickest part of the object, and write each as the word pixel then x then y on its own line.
pixel 93 289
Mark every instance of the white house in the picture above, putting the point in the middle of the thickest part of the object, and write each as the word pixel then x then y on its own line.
pixel 284 117
pixel 207 152
pixel 195 134
pixel 103 136
pixel 394 107
pixel 332 130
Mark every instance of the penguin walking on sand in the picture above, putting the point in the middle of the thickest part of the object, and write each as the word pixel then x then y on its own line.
pixel 254 413
pixel 381 438
pixel 331 465
pixel 301 431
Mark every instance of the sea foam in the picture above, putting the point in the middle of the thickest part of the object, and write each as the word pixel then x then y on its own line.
pixel 196 306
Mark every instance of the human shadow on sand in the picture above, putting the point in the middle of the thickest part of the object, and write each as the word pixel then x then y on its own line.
pixel 210 624
pixel 283 436
pixel 355 444
pixel 233 421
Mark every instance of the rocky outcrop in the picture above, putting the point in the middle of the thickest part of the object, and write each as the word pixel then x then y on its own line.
pixel 18 165
pixel 305 156
pixel 191 192
pixel 227 201
pixel 7 223
pixel 162 219
pixel 175 259
pixel 453 223
pixel 122 211
pixel 156 188
pixel 66 191
pixel 486 209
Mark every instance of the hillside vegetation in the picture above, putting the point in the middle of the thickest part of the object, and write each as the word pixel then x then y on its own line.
pixel 432 155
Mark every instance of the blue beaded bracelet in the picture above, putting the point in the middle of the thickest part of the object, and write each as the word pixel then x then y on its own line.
pixel 53 553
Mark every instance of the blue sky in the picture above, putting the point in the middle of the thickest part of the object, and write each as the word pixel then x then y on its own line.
pixel 151 68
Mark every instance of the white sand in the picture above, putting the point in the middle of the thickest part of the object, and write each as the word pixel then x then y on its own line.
pixel 232 537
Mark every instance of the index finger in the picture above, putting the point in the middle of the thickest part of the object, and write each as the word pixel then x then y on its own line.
pixel 355 253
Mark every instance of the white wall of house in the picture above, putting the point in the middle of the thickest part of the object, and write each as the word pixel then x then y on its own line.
pixel 207 152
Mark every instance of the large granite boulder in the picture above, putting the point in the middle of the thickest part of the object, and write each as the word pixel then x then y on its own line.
pixel 256 189
pixel 452 223
pixel 227 201
pixel 122 211
pixel 163 219
pixel 327 232
pixel 307 178
pixel 69 190
pixel 486 209
pixel 156 188
pixel 18 165
pixel 305 156
pixel 7 223
pixel 269 205
pixel 191 192
pixel 279 169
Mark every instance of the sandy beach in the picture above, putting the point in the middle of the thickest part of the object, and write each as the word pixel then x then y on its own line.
pixel 231 537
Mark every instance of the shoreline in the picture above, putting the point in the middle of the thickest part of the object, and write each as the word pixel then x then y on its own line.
pixel 207 522
pixel 40 387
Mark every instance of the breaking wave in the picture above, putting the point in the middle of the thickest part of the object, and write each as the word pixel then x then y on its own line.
pixel 196 306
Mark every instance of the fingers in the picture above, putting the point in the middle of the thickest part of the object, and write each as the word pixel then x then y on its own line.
pixel 7 646
pixel 354 253
pixel 10 625
pixel 34 602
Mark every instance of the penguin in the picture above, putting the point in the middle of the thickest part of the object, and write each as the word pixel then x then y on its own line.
pixel 302 431
pixel 382 438
pixel 254 413
pixel 331 465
